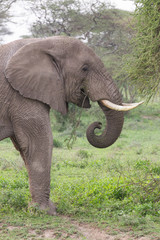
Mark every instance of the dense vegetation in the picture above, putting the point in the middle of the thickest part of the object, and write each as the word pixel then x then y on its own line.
pixel 144 61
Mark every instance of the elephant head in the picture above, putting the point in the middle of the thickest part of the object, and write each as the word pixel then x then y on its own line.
pixel 59 70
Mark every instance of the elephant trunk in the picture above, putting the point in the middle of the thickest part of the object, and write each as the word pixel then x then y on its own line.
pixel 101 88
pixel 114 125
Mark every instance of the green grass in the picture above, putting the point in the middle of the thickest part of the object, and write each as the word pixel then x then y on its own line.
pixel 118 186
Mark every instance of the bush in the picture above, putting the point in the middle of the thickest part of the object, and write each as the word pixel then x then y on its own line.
pixel 57 143
pixel 16 199
pixel 14 191
pixel 84 154
pixel 92 195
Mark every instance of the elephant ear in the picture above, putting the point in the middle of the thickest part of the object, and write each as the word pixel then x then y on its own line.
pixel 34 72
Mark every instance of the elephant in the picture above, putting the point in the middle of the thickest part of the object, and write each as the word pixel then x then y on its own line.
pixel 38 74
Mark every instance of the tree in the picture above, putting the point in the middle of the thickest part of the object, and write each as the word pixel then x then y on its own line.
pixel 4 15
pixel 143 63
pixel 95 23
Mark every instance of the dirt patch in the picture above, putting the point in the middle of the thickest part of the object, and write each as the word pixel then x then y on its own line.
pixel 150 118
pixel 97 234
pixel 49 234
pixel 94 233
pixel 78 231
pixel 11 228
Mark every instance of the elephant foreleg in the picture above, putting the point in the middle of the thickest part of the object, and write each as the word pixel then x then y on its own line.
pixel 15 143
pixel 34 140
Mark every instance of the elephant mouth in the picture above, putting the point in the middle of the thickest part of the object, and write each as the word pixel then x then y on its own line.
pixel 84 99
pixel 85 103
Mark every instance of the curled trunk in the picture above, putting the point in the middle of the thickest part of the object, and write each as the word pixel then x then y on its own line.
pixel 114 125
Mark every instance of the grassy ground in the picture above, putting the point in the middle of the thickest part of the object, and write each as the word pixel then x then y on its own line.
pixel 115 189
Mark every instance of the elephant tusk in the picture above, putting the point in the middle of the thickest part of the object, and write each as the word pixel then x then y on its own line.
pixel 123 108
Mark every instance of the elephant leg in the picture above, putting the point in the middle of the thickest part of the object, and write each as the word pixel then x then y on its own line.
pixel 5 132
pixel 33 138
pixel 17 147
pixel 15 143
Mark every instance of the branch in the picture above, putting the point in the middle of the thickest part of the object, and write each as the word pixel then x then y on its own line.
pixel 6 6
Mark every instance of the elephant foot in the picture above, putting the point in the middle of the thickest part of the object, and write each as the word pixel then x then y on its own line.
pixel 52 209
pixel 49 209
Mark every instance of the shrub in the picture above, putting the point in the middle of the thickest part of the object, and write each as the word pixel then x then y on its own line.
pixel 14 198
pixel 156 170
pixel 14 191
pixel 57 143
pixel 84 154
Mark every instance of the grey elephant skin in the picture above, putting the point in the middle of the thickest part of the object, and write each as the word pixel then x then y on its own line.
pixel 39 74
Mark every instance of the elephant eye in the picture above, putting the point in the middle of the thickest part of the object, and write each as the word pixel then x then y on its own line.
pixel 85 68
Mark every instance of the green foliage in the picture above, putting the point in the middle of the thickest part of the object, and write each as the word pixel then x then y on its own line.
pixel 34 210
pixel 109 196
pixel 57 143
pixel 156 170
pixel 118 184
pixel 121 182
pixel 14 191
pixel 142 65
pixel 84 154
pixel 61 123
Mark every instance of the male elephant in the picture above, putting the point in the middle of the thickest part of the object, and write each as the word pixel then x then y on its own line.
pixel 39 74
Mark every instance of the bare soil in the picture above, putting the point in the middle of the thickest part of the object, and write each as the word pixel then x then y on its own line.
pixel 79 231
pixel 86 232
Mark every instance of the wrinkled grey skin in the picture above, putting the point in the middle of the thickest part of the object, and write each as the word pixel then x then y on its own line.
pixel 39 74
